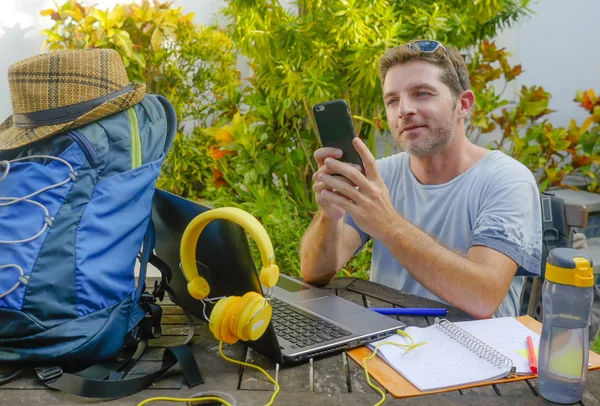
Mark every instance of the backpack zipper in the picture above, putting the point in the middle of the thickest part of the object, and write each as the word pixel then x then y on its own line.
pixel 86 146
pixel 136 142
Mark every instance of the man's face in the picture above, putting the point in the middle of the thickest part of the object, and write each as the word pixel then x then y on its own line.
pixel 421 111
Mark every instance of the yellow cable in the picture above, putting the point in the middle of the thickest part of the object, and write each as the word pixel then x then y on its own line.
pixel 407 347
pixel 255 367
pixel 213 398
pixel 182 400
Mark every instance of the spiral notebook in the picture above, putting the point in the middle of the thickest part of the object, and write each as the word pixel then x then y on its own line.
pixel 453 355
pixel 450 360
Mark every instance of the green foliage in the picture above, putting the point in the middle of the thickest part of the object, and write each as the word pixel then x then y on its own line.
pixel 191 65
pixel 251 145
pixel 587 137
pixel 549 152
pixel 327 50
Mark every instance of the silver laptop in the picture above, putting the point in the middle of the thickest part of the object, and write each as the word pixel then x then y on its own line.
pixel 310 322
pixel 307 322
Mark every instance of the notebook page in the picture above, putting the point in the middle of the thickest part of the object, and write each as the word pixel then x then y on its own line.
pixel 441 363
pixel 506 335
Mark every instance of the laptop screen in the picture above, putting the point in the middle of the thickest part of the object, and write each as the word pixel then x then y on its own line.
pixel 223 254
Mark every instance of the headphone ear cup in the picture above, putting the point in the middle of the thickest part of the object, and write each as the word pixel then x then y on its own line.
pixel 226 334
pixel 198 288
pixel 269 276
pixel 216 317
pixel 239 309
pixel 253 307
pixel 260 317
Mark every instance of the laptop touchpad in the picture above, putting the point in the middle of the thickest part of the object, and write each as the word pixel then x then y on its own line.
pixel 353 316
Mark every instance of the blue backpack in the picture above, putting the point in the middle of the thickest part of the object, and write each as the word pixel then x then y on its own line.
pixel 75 211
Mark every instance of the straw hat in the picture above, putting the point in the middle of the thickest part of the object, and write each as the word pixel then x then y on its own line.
pixel 58 91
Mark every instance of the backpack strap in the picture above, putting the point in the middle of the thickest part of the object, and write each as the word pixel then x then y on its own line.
pixel 97 384
pixel 162 286
pixel 171 122
pixel 147 249
pixel 554 225
pixel 11 375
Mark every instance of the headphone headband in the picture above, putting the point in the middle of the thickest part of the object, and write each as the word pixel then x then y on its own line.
pixel 192 234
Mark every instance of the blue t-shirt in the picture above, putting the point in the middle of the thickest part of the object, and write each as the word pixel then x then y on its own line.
pixel 494 203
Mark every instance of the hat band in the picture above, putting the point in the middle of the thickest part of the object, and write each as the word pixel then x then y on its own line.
pixel 64 114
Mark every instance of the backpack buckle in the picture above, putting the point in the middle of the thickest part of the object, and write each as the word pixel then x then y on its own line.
pixel 48 374
pixel 159 291
pixel 147 298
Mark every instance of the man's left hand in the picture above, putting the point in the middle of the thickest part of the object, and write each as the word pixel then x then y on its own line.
pixel 369 204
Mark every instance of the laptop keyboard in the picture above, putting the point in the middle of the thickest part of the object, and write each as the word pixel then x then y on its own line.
pixel 302 329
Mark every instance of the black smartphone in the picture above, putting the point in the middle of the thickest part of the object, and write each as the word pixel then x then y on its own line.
pixel 334 123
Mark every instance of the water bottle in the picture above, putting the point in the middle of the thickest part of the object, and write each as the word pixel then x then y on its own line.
pixel 567 296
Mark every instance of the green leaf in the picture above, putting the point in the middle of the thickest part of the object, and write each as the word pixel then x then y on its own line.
pixel 156 39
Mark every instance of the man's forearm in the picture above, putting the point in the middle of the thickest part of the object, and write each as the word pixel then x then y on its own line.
pixel 321 248
pixel 471 286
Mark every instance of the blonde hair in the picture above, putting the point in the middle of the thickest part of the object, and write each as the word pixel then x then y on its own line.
pixel 454 70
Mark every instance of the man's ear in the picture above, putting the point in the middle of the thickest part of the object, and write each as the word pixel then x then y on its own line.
pixel 466 102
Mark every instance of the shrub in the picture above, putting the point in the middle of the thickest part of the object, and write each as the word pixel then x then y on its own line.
pixel 250 145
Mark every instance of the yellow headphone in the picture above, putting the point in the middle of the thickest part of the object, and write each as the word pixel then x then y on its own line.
pixel 233 318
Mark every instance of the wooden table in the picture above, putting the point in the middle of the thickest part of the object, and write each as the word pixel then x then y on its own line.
pixel 335 380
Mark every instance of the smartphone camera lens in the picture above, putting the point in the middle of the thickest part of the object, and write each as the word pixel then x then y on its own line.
pixel 320 108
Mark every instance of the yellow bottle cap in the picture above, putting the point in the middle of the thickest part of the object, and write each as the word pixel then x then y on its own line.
pixel 567 266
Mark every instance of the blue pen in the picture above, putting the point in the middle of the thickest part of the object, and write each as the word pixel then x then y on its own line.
pixel 405 311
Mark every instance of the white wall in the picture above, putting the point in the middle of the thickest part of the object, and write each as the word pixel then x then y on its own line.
pixel 559 50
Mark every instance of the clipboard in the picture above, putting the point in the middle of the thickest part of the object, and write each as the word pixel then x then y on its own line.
pixel 399 387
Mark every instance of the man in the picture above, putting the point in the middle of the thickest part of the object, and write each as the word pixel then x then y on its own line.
pixel 451 221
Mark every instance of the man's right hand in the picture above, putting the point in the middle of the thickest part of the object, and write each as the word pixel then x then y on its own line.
pixel 330 210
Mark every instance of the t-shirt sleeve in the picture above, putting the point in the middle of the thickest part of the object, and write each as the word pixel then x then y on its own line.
pixel 510 221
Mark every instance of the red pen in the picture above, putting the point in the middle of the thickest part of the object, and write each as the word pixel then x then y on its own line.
pixel 532 358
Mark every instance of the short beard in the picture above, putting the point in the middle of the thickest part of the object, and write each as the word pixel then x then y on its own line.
pixel 440 136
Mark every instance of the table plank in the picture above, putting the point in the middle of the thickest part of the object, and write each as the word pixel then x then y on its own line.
pixel 179 319
pixel 358 381
pixel 589 399
pixel 253 379
pixel 297 378
pixel 330 374
pixel 27 380
pixel 339 283
pixel 514 388
pixel 592 384
pixel 487 390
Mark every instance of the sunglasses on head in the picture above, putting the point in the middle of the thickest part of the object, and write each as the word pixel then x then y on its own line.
pixel 426 46
pixel 429 47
